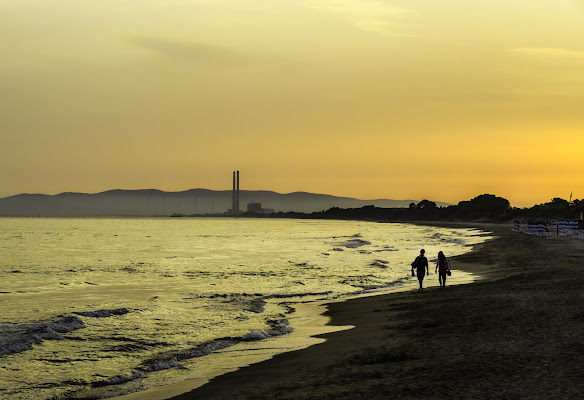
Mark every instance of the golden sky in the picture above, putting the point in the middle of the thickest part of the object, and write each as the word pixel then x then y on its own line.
pixel 413 99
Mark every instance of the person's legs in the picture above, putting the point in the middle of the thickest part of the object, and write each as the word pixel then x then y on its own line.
pixel 443 279
pixel 440 278
pixel 421 275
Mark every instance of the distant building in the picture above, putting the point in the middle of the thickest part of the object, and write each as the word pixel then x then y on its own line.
pixel 257 208
pixel 254 207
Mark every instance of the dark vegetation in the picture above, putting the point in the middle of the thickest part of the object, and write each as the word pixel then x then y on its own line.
pixel 483 208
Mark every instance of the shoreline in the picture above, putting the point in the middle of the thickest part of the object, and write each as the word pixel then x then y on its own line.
pixel 309 322
pixel 406 333
pixel 326 323
pixel 311 326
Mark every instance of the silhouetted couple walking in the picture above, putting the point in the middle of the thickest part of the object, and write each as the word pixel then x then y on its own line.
pixel 420 264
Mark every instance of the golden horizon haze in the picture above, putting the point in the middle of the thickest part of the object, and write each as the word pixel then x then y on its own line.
pixel 360 98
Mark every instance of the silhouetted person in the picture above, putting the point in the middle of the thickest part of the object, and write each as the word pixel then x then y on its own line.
pixel 421 266
pixel 443 268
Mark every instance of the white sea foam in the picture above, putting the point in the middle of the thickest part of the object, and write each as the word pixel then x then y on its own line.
pixel 299 295
pixel 159 366
pixel 356 235
pixel 119 379
pixel 280 327
pixel 457 241
pixel 166 361
pixel 255 335
pixel 103 313
pixel 207 348
pixel 380 263
pixel 17 338
pixel 355 243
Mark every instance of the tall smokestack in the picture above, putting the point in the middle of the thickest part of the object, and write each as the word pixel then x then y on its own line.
pixel 237 198
pixel 233 194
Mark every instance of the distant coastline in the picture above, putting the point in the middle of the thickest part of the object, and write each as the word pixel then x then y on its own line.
pixel 485 208
pixel 301 205
pixel 193 202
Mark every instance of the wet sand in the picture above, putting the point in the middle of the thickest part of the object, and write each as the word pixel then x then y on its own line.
pixel 517 333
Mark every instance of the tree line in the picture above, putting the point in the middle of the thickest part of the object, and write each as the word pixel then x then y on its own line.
pixel 483 208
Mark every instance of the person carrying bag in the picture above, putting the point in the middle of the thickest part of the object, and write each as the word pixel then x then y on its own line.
pixel 443 268
pixel 421 266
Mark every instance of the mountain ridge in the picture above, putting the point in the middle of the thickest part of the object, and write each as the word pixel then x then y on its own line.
pixel 155 202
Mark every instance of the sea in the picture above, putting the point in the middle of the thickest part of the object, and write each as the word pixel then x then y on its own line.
pixel 147 308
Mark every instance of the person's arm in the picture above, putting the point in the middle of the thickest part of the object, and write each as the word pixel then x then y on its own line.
pixel 448 264
pixel 437 263
pixel 427 268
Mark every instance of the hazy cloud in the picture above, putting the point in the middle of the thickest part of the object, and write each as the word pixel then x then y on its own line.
pixel 192 52
pixel 550 52
pixel 368 15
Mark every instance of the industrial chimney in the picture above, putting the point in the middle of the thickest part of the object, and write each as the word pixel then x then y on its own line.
pixel 237 195
pixel 233 194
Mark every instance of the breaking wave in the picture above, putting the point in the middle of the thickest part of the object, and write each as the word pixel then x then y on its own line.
pixel 290 295
pixel 172 360
pixel 355 243
pixel 103 313
pixel 119 379
pixel 17 338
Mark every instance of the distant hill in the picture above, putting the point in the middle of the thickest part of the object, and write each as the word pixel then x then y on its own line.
pixel 152 202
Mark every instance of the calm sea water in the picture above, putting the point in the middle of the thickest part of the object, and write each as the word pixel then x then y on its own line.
pixel 97 307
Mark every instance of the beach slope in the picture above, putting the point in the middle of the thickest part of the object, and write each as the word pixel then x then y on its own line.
pixel 517 334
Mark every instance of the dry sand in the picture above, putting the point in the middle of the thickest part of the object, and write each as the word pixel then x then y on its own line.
pixel 519 333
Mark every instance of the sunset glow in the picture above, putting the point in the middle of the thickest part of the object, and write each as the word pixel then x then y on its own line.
pixel 362 98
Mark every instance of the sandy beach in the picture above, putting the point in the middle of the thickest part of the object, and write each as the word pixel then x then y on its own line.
pixel 516 333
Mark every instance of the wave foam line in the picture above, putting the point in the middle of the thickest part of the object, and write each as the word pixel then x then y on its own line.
pixel 172 360
pixel 17 338
pixel 102 313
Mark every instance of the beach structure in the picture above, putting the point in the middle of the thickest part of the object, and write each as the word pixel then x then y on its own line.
pixel 537 227
pixel 566 227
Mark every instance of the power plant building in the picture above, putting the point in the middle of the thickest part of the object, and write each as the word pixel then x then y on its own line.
pixel 251 207
pixel 257 208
